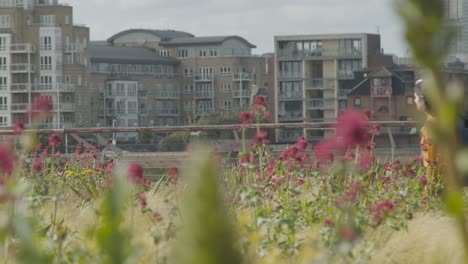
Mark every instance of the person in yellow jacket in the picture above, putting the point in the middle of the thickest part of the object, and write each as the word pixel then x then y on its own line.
pixel 428 149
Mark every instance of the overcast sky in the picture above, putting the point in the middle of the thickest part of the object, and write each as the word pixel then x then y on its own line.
pixel 255 20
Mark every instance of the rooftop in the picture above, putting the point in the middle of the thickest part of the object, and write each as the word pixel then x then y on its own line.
pixel 214 40
pixel 127 55
pixel 162 34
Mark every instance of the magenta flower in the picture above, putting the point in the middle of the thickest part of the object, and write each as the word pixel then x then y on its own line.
pixel 266 115
pixel 41 107
pixel 18 127
pixel 54 141
pixel 246 117
pixel 324 150
pixel 366 159
pixel 351 129
pixel 141 197
pixel 260 100
pixel 135 174
pixel 7 160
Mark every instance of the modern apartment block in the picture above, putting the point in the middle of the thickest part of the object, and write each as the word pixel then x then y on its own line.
pixel 43 53
pixel 456 18
pixel 183 77
pixel 311 77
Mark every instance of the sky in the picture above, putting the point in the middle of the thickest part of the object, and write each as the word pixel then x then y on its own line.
pixel 258 21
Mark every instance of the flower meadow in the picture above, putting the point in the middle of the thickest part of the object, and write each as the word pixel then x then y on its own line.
pixel 334 202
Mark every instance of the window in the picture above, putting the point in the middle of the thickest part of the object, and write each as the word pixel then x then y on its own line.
pixel 383 109
pixel 225 87
pixel 188 88
pixel 3 121
pixel 132 90
pixel 3 103
pixel 3 43
pixel 5 21
pixel 67 20
pixel 188 72
pixel 3 63
pixel 183 53
pixel 46 62
pixel 409 100
pixel 202 53
pixel 67 78
pixel 213 53
pixel 132 107
pixel 79 80
pixel 380 82
pixel 109 89
pixel 3 83
pixel 120 91
pixel 46 43
pixel 29 20
pixel 290 69
pixel 188 106
pixel 226 104
pixel 120 107
pixel 225 70
pixel 164 53
pixel 47 20
pixel 357 101
pixel 46 79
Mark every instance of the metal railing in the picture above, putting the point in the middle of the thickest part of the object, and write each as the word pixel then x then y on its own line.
pixel 328 103
pixel 320 53
pixel 171 111
pixel 167 94
pixel 240 94
pixel 42 87
pixel 22 68
pixel 203 77
pixel 244 76
pixel 21 48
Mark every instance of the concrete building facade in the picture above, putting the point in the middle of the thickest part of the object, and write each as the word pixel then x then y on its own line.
pixel 311 77
pixel 43 53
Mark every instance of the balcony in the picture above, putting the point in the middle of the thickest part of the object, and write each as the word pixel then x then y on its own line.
pixel 289 75
pixel 3 87
pixel 341 74
pixel 65 107
pixel 49 87
pixel 73 48
pixel 22 68
pixel 11 3
pixel 203 77
pixel 290 97
pixel 55 125
pixel 320 84
pixel 243 76
pixel 170 111
pixel 22 48
pixel 203 95
pixel 290 116
pixel 319 54
pixel 240 94
pixel 321 104
pixel 19 107
pixel 289 136
pixel 167 95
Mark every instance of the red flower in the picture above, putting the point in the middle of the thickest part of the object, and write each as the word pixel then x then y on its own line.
pixel 7 160
pixel 328 223
pixel 347 233
pixel 260 100
pixel 37 166
pixel 54 140
pixel 135 174
pixel 41 106
pixel 266 115
pixel 142 199
pixel 324 150
pixel 246 117
pixel 259 138
pixel 18 127
pixel 351 129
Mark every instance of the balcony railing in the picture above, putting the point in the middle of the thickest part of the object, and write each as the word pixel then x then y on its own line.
pixel 289 136
pixel 22 68
pixel 65 107
pixel 171 111
pixel 42 87
pixel 73 47
pixel 324 104
pixel 345 74
pixel 11 3
pixel 167 94
pixel 203 94
pixel 342 94
pixel 320 53
pixel 290 116
pixel 203 77
pixel 320 84
pixel 19 107
pixel 22 48
pixel 290 96
pixel 289 75
pixel 243 76
pixel 240 94
pixel 3 87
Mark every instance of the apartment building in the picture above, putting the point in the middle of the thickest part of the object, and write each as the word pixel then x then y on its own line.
pixel 43 53
pixel 387 92
pixel 183 76
pixel 311 77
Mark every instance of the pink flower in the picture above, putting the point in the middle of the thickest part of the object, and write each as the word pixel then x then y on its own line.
pixel 54 140
pixel 266 115
pixel 328 223
pixel 37 166
pixel 365 160
pixel 41 107
pixel 351 129
pixel 260 100
pixel 385 206
pixel 324 150
pixel 375 130
pixel 173 174
pixel 18 127
pixel 135 174
pixel 108 142
pixel 157 217
pixel 246 117
pixel 347 233
pixel 141 197
pixel 260 138
pixel 7 160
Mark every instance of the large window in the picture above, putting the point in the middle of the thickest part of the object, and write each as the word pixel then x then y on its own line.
pixel 120 107
pixel 3 83
pixel 225 70
pixel 3 103
pixel 46 62
pixel 5 21
pixel 225 87
pixel 120 91
pixel 132 89
pixel 290 69
pixel 183 53
pixel 46 43
pixel 3 63
pixel 132 107
pixel 47 20
pixel 3 121
pixel 290 90
pixel 350 46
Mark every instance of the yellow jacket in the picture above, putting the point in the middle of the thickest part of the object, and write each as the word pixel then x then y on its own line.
pixel 429 154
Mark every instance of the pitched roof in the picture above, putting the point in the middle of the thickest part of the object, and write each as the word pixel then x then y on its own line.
pixel 162 34
pixel 127 55
pixel 363 87
pixel 215 40
pixel 382 73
